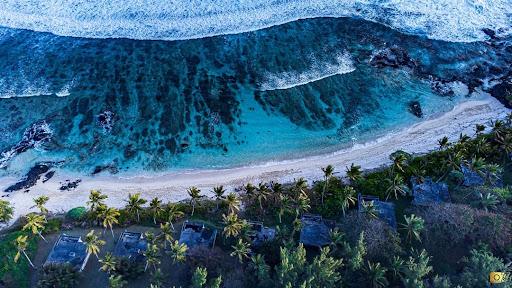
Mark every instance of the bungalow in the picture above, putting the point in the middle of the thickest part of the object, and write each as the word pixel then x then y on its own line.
pixel 68 250
pixel 131 245
pixel 197 234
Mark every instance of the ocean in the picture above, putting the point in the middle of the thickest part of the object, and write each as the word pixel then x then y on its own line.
pixel 134 86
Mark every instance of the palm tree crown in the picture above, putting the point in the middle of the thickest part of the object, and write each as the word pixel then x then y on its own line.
pixel 40 202
pixel 35 223
pixel 134 204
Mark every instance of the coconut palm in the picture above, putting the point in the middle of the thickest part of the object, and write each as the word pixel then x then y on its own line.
pixel 96 199
pixel 173 213
pixel 262 193
pixel 376 275
pixel 40 202
pixel 152 256
pixel 413 226
pixel 302 204
pixel 369 209
pixel 336 237
pixel 479 129
pixel 108 263
pixel 134 204
pixel 35 223
pixel 487 201
pixel 399 161
pixel 505 144
pixel 21 247
pixel 92 246
pixel 155 207
pixel 348 198
pixel 178 251
pixel 233 225
pixel 478 165
pixel 260 267
pixel 195 195
pixel 443 143
pixel 300 187
pixel 116 281
pixel 396 186
pixel 249 189
pixel 219 194
pixel 233 203
pixel 285 207
pixel 6 211
pixel 110 217
pixel 328 172
pixel 166 233
pixel 150 237
pixel 277 191
pixel 354 173
pixel 241 250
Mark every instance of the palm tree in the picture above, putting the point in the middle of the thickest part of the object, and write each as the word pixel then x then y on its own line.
pixel 40 202
pixel 249 189
pixel 108 263
pixel 328 172
pixel 166 233
pixel 92 246
pixel 195 195
pixel 479 128
pixel 35 223
pixel 241 250
pixel 219 194
pixel 173 213
pixel 233 225
pixel 155 206
pixel 396 186
pixel 443 143
pixel 178 251
pixel 487 201
pixel 6 211
pixel 262 194
pixel 369 209
pixel 377 275
pixel 285 207
pixel 399 162
pixel 261 268
pixel 152 256
pixel 95 199
pixel 348 194
pixel 150 237
pixel 336 237
pixel 110 217
pixel 277 191
pixel 463 138
pixel 233 203
pixel 21 246
pixel 134 204
pixel 413 226
pixel 354 173
pixel 302 204
pixel 116 281
pixel 301 186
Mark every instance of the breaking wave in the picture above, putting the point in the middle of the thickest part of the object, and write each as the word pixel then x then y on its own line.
pixel 343 64
pixel 449 20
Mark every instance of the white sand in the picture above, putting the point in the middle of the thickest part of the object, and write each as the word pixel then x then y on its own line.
pixel 419 138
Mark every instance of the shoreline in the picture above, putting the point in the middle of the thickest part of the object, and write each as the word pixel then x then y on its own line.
pixel 419 138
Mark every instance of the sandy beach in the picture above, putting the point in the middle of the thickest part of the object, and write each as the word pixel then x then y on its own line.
pixel 419 138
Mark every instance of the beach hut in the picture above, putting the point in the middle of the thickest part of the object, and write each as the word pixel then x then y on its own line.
pixel 385 210
pixel 427 192
pixel 68 250
pixel 260 234
pixel 131 245
pixel 197 234
pixel 315 230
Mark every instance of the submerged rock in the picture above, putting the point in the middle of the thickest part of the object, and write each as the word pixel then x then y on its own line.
pixel 394 57
pixel 503 92
pixel 415 108
pixel 34 135
pixel 106 120
pixel 31 178
pixel 112 168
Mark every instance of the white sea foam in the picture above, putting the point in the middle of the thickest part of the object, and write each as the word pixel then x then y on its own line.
pixel 34 88
pixel 450 20
pixel 319 70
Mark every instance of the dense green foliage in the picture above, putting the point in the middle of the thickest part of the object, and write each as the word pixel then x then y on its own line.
pixel 15 274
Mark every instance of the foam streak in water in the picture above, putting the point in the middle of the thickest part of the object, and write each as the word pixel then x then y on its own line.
pixel 450 20
pixel 318 71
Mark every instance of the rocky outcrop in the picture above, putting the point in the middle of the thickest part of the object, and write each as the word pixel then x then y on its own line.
pixel 415 108
pixel 392 57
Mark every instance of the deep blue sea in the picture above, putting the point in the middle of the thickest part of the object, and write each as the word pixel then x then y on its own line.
pixel 82 93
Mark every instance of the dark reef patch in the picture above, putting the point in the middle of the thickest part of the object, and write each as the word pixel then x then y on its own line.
pixel 30 179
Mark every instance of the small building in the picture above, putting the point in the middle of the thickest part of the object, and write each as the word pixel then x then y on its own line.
pixel 315 230
pixel 260 234
pixel 68 250
pixel 197 234
pixel 471 178
pixel 427 192
pixel 131 245
pixel 385 210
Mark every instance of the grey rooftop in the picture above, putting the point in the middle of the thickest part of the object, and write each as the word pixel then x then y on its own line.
pixel 131 245
pixel 315 230
pixel 260 234
pixel 68 249
pixel 197 233
pixel 386 210
pixel 428 192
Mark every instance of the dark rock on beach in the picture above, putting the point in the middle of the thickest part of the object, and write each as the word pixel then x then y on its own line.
pixel 68 185
pixel 48 176
pixel 503 92
pixel 31 178
pixel 112 168
pixel 415 108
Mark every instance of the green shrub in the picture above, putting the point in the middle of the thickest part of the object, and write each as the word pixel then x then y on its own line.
pixel 15 274
pixel 77 213
pixel 58 275
pixel 53 225
pixel 478 266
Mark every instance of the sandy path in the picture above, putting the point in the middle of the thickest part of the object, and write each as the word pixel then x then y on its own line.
pixel 419 138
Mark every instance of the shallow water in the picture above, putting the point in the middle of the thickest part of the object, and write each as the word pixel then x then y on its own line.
pixel 301 88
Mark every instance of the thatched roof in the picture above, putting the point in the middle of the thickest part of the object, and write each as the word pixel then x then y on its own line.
pixel 259 233
pixel 427 192
pixel 315 231
pixel 197 233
